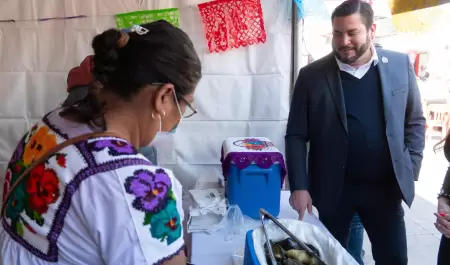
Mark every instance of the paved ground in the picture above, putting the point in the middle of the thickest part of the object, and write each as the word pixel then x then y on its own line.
pixel 423 238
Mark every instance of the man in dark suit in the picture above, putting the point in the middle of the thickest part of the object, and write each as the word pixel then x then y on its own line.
pixel 359 109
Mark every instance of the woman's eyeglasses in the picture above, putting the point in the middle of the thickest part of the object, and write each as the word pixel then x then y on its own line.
pixel 190 110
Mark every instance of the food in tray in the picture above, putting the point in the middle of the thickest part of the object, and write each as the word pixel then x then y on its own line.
pixel 289 252
pixel 300 255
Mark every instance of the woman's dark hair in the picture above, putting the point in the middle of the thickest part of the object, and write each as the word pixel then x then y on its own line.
pixel 440 145
pixel 165 54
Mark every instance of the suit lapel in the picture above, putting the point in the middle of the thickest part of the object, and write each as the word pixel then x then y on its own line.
pixel 334 84
pixel 383 70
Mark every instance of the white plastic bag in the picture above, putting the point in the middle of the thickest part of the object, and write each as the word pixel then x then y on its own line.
pixel 234 224
pixel 329 248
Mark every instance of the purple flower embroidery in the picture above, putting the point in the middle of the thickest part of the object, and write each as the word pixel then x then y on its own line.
pixel 17 155
pixel 151 189
pixel 115 147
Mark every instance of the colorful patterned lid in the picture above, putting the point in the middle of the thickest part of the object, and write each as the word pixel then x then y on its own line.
pixel 244 151
pixel 248 145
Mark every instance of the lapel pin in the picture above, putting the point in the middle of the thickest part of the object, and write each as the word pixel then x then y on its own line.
pixel 384 60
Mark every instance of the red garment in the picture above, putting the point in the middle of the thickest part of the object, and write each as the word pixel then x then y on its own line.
pixel 80 75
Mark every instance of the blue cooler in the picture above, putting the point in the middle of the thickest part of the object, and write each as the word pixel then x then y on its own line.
pixel 249 254
pixel 254 171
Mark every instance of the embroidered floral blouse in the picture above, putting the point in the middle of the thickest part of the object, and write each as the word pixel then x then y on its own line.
pixel 95 202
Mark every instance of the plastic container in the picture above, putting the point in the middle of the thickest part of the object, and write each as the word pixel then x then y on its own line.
pixel 254 172
pixel 253 188
pixel 331 251
pixel 250 257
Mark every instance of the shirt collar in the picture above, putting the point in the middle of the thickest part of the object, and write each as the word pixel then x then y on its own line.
pixel 374 59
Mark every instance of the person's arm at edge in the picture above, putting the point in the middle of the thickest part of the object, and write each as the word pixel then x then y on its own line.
pixel 445 190
pixel 297 136
pixel 414 123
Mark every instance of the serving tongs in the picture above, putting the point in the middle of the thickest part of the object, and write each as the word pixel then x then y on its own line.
pixel 263 213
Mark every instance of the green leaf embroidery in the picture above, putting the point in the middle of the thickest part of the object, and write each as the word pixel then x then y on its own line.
pixel 148 218
pixel 171 195
pixel 14 225
pixel 38 218
pixel 19 229
pixel 16 174
pixel 29 212
pixel 34 216
pixel 165 225
pixel 22 165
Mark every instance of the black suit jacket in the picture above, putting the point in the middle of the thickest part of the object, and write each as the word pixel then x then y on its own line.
pixel 318 117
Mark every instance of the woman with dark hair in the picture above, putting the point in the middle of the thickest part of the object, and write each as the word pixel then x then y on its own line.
pixel 443 210
pixel 76 190
pixel 78 81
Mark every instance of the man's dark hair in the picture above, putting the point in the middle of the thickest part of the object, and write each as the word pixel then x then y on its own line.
pixel 350 7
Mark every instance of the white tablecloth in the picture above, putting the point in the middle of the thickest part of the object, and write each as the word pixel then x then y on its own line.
pixel 214 250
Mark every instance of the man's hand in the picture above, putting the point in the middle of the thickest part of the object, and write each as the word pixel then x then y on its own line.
pixel 300 201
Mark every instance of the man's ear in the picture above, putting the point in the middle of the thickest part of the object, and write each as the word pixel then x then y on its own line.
pixel 372 31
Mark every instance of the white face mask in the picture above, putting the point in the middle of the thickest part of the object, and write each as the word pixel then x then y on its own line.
pixel 166 139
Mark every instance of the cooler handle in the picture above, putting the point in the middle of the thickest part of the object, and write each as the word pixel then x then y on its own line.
pixel 259 171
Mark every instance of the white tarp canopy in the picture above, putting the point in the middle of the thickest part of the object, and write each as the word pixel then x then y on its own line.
pixel 244 92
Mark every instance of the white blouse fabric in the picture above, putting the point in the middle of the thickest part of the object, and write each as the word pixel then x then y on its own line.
pixel 94 202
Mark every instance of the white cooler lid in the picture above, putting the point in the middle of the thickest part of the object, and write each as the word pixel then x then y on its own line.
pixel 248 145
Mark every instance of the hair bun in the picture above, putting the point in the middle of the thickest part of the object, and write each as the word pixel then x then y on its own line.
pixel 106 54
